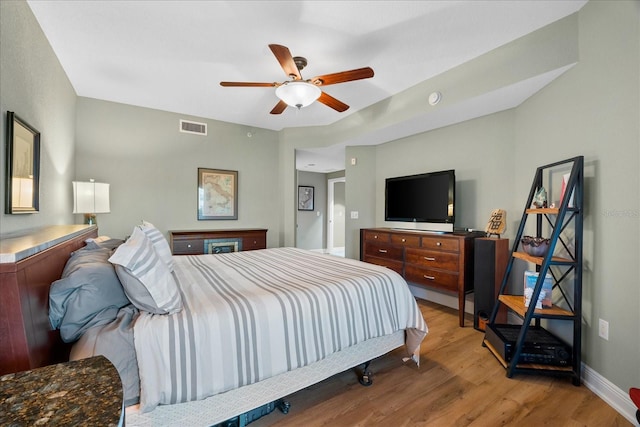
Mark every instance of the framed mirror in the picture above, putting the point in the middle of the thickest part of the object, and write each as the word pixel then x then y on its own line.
pixel 23 167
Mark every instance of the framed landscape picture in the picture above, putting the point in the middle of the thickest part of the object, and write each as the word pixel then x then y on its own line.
pixel 217 194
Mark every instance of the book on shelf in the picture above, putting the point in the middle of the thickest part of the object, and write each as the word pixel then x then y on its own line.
pixel 563 189
pixel 544 299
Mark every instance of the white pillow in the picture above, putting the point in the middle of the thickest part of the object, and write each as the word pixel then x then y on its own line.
pixel 159 243
pixel 145 277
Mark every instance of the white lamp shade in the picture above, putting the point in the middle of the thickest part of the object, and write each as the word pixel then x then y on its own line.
pixel 298 93
pixel 90 197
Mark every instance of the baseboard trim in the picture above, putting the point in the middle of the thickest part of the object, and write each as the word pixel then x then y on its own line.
pixel 615 397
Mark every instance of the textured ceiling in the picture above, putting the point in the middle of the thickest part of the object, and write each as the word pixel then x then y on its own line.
pixel 171 55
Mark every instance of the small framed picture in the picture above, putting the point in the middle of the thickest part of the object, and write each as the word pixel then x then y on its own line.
pixel 217 194
pixel 305 198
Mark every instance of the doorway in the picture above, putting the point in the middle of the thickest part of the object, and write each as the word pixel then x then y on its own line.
pixel 336 216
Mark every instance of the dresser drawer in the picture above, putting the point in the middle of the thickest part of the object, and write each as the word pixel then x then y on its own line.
pixel 405 240
pixel 435 278
pixel 375 236
pixel 389 263
pixel 191 242
pixel 188 247
pixel 441 244
pixel 252 243
pixel 432 259
pixel 383 250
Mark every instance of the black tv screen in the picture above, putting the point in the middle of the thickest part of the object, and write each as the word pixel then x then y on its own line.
pixel 428 197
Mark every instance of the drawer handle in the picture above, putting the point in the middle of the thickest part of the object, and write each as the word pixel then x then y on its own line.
pixel 438 243
pixel 404 240
pixel 428 258
pixel 382 251
pixel 255 242
pixel 429 277
pixel 375 237
pixel 188 246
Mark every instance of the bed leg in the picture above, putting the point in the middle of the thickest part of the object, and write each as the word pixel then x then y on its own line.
pixel 366 378
pixel 283 405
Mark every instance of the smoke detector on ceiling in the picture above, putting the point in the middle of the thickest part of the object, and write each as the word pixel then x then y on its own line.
pixel 435 97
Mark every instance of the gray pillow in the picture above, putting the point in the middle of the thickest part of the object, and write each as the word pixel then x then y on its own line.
pixel 108 244
pixel 139 295
pixel 88 294
pixel 160 244
pixel 146 279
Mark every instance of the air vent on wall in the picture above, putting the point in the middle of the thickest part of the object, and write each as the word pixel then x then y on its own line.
pixel 193 127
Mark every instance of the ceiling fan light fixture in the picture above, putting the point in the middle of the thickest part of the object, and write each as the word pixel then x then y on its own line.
pixel 298 93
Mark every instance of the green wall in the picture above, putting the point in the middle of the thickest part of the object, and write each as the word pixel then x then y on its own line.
pixel 35 87
pixel 153 168
pixel 594 110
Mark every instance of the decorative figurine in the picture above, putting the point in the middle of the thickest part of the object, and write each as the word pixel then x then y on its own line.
pixel 540 198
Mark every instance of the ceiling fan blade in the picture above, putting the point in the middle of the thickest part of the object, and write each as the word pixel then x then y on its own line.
pixel 247 84
pixel 283 55
pixel 279 108
pixel 344 76
pixel 330 101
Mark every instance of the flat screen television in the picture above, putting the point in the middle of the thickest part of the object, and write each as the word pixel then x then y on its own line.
pixel 427 200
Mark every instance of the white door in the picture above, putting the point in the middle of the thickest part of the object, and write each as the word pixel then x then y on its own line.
pixel 336 215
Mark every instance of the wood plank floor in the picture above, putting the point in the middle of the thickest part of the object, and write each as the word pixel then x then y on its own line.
pixel 458 383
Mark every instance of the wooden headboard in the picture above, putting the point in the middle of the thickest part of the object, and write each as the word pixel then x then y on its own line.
pixel 31 261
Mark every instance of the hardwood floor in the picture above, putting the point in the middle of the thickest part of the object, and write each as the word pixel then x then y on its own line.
pixel 458 383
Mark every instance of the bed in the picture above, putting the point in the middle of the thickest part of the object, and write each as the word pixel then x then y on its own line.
pixel 283 319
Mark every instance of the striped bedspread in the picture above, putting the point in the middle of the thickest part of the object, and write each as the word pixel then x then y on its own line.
pixel 251 315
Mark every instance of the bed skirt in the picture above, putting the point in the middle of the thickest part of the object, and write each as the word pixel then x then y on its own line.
pixel 224 406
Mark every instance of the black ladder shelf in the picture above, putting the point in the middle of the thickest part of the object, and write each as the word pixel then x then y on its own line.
pixel 566 260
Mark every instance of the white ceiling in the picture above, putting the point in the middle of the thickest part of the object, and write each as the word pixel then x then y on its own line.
pixel 171 55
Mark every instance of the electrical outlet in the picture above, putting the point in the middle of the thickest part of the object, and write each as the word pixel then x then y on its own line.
pixel 354 214
pixel 603 329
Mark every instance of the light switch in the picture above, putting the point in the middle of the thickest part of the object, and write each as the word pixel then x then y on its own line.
pixel 354 161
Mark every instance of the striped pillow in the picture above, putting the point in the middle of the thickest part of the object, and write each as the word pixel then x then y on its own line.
pixel 159 243
pixel 145 278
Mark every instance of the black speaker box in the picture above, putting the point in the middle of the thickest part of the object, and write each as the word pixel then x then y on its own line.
pixel 490 262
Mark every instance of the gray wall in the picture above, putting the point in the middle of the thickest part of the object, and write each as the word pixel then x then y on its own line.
pixel 34 86
pixel 594 110
pixel 482 180
pixel 360 196
pixel 591 110
pixel 311 225
pixel 153 168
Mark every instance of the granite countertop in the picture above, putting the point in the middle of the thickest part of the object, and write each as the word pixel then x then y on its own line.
pixel 83 392
pixel 22 244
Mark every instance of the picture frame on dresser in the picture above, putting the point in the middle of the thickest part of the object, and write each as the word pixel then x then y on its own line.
pixel 217 194
pixel 305 198
pixel 22 181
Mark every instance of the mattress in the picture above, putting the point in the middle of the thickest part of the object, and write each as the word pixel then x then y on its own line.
pixel 250 316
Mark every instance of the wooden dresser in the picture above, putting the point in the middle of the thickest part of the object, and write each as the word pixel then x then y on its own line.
pixel 194 242
pixel 442 262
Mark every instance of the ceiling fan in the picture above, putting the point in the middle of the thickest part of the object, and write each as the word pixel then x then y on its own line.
pixel 298 92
